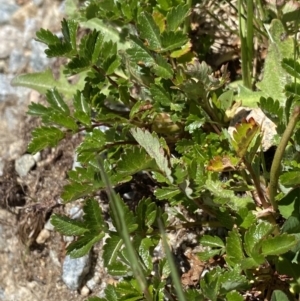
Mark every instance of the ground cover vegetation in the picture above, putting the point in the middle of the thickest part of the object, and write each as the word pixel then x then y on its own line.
pixel 151 110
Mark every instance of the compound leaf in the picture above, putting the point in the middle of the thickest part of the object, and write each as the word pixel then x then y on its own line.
pixel 84 244
pixel 234 251
pixel 279 244
pixel 133 160
pixel 68 226
pixel 153 147
pixel 149 31
pixel 243 136
pixel 93 216
pixel 44 137
pixel 176 16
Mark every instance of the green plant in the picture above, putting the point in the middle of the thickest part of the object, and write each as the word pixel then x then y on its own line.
pixel 166 116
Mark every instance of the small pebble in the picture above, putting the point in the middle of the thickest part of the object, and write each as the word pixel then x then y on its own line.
pixel 24 164
pixel 43 236
pixel 85 291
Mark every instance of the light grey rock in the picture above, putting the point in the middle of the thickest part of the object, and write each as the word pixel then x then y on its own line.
pixel 48 226
pixel 38 60
pixel 17 60
pixel 76 212
pixel 7 10
pixel 24 164
pixel 6 90
pixel 74 271
pixel 10 38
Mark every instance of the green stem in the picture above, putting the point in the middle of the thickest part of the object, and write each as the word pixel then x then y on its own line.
pixel 275 168
pixel 244 47
pixel 256 182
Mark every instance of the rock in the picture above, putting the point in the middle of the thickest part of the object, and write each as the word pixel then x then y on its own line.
pixel 39 60
pixel 43 236
pixel 24 164
pixel 84 291
pixel 74 270
pixel 17 61
pixel 8 8
pixel 48 226
pixel 10 38
pixel 7 90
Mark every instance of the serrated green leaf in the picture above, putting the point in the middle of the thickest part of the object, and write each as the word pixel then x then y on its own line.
pixel 82 109
pixel 289 204
pixel 293 90
pixel 77 190
pixel 69 31
pixel 166 193
pixel 138 53
pixel 234 251
pixel 68 226
pixel 60 49
pixel 211 241
pixel 153 147
pixel 204 256
pixel 173 40
pixel 93 141
pixel 290 178
pixel 160 95
pixel 133 160
pixel 44 137
pixel 291 66
pixel 234 296
pixel 111 249
pixel 37 109
pixel 149 31
pixel 227 197
pixel 93 216
pixel 162 68
pixel 97 48
pixel 243 135
pixel 62 120
pixel 84 244
pixel 151 214
pixel 44 81
pixel 279 296
pixel 254 236
pixel 184 50
pixel 127 215
pixel 47 37
pixel 176 16
pixel 272 108
pixel 233 280
pixel 210 285
pixel 278 245
pixel 109 31
pixel 194 122
pixel 275 78
pixel 145 254
pixel 77 65
pixel 111 64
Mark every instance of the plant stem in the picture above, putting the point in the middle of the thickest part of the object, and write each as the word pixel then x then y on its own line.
pixel 275 168
pixel 256 182
pixel 244 47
